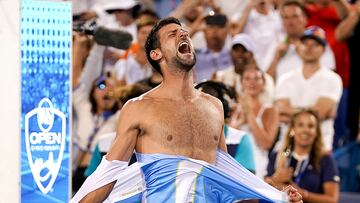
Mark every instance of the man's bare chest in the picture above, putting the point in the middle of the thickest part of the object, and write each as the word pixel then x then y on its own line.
pixel 184 124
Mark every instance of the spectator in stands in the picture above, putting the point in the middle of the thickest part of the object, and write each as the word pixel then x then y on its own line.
pixel 136 66
pixel 238 142
pixel 95 114
pixel 303 161
pixel 145 15
pixel 312 86
pixel 346 28
pixel 348 31
pixel 191 14
pixel 260 21
pixel 328 15
pixel 282 57
pixel 103 142
pixel 84 10
pixel 258 118
pixel 124 13
pixel 242 53
pixel 216 56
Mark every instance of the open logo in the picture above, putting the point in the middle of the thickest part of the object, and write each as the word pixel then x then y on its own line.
pixel 45 132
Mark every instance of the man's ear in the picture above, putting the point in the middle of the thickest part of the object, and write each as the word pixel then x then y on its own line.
pixel 156 54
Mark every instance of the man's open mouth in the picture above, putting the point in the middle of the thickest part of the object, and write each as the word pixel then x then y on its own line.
pixel 184 48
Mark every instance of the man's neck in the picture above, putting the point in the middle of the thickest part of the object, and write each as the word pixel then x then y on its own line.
pixel 180 83
pixel 310 68
pixel 156 78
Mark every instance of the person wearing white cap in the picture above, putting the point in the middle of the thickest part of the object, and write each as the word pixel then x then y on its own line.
pixel 125 13
pixel 262 23
pixel 242 53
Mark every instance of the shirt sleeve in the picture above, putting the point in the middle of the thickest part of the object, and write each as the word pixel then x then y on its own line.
pixel 244 153
pixel 332 88
pixel 329 170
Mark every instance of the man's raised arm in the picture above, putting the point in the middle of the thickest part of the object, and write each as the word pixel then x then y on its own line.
pixel 119 153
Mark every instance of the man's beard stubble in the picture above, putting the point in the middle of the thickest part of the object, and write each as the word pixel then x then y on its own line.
pixel 183 64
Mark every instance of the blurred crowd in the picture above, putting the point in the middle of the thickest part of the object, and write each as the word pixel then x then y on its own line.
pixel 286 72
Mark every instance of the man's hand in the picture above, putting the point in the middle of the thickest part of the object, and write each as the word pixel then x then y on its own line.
pixel 294 195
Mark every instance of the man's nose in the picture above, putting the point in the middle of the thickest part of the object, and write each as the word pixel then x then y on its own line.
pixel 184 33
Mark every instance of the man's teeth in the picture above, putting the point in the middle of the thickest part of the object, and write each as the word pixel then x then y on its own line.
pixel 184 47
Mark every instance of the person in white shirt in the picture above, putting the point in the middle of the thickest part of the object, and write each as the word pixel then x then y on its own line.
pixel 260 21
pixel 282 57
pixel 311 86
pixel 259 118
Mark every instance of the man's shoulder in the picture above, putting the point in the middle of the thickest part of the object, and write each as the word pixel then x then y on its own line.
pixel 211 99
pixel 137 103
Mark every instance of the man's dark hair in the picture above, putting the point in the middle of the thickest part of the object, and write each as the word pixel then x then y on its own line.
pixel 153 40
pixel 294 3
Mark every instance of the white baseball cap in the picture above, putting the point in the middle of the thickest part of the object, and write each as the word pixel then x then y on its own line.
pixel 114 5
pixel 244 40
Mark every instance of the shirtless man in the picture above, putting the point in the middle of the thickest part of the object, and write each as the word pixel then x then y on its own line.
pixel 174 118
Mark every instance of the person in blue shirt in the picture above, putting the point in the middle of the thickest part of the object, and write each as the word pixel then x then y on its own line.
pixel 216 55
pixel 303 162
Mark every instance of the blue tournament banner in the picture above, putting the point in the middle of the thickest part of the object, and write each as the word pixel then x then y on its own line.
pixel 45 100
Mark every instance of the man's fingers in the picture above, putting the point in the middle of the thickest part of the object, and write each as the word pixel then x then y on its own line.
pixel 289 189
pixel 295 197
